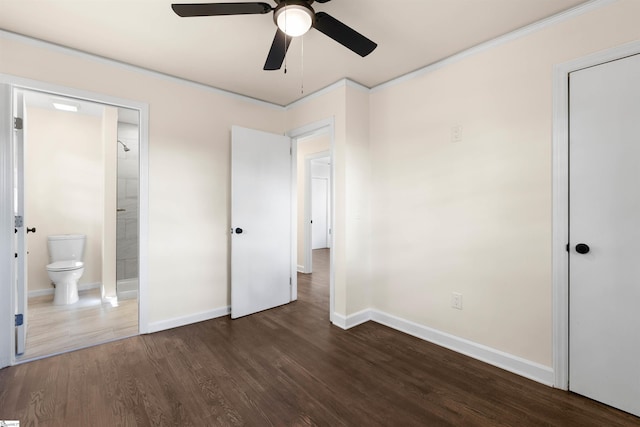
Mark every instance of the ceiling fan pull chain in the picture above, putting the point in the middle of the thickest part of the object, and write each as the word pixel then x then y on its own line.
pixel 285 39
pixel 302 65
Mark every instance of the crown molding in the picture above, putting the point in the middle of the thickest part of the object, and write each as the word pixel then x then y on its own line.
pixel 129 67
pixel 498 41
pixel 340 83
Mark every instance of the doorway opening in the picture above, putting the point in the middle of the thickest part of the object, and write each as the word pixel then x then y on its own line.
pixel 78 170
pixel 313 148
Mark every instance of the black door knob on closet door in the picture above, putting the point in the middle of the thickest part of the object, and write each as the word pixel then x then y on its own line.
pixel 31 230
pixel 239 230
pixel 582 248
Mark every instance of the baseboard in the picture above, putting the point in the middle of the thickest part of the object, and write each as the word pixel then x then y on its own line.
pixel 132 294
pixel 187 320
pixel 127 288
pixel 355 319
pixel 517 365
pixel 41 292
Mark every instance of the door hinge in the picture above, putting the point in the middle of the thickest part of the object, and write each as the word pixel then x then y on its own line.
pixel 18 221
pixel 17 123
pixel 290 282
pixel 19 319
pixel 567 247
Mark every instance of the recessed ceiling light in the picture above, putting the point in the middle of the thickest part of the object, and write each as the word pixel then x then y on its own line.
pixel 65 107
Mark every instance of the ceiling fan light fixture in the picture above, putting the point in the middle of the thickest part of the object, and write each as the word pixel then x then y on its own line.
pixel 294 19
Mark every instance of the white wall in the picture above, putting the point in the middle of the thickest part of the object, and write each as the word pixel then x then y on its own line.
pixel 358 175
pixel 474 216
pixel 63 178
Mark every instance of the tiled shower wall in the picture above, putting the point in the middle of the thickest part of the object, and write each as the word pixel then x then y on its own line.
pixel 127 219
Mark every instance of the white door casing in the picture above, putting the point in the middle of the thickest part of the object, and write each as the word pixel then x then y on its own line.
pixel 20 240
pixel 261 221
pixel 604 213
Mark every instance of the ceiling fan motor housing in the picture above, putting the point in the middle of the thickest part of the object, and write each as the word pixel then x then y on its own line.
pixel 295 1
pixel 301 8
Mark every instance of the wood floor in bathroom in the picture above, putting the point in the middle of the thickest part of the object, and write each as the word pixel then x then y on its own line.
pixel 288 366
pixel 55 329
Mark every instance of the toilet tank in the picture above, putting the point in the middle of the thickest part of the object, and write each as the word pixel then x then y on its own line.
pixel 66 247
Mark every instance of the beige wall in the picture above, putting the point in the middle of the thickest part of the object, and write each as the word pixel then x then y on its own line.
pixel 358 212
pixel 63 178
pixel 189 139
pixel 307 146
pixel 474 216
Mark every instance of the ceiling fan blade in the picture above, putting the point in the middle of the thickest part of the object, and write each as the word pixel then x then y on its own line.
pixel 346 36
pixel 278 51
pixel 217 9
pixel 322 1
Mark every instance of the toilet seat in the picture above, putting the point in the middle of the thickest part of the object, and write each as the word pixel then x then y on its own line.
pixel 65 265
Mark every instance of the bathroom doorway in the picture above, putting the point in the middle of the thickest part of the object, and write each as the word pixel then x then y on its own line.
pixel 77 172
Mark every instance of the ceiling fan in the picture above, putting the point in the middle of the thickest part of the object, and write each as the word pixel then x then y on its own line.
pixel 292 17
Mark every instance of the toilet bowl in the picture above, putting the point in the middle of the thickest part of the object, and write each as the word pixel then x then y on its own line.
pixel 65 276
pixel 65 254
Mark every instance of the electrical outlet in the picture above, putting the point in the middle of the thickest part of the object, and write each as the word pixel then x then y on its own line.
pixel 456 300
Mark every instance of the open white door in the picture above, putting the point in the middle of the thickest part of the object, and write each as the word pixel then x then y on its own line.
pixel 20 243
pixel 261 219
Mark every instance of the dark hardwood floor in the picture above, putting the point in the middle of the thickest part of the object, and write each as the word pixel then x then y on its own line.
pixel 286 367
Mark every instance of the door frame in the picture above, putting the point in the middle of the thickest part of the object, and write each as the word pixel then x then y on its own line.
pixel 20 278
pixel 9 84
pixel 560 232
pixel 321 127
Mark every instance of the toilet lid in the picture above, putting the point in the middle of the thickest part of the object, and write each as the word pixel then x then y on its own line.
pixel 65 265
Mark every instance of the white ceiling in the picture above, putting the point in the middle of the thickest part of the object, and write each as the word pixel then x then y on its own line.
pixel 228 52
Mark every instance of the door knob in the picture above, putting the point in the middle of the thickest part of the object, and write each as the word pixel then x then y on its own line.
pixel 31 230
pixel 582 248
pixel 238 230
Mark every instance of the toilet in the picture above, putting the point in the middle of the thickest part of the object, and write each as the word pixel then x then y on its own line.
pixel 66 267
